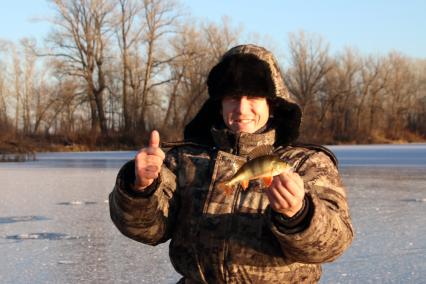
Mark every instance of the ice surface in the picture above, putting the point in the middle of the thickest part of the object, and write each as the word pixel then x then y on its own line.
pixel 55 225
pixel 55 228
pixel 390 243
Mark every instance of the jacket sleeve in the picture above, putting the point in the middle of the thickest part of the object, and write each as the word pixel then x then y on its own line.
pixel 147 218
pixel 329 230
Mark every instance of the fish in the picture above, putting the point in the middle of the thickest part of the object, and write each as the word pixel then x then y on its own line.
pixel 262 167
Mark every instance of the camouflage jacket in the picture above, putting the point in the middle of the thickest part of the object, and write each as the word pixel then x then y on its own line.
pixel 217 238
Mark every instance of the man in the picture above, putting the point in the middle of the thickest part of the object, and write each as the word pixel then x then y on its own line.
pixel 278 234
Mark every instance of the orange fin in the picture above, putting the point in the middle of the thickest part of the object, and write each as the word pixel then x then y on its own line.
pixel 245 184
pixel 267 181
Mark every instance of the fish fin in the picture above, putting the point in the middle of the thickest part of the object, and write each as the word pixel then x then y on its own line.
pixel 267 180
pixel 245 184
pixel 227 189
pixel 262 150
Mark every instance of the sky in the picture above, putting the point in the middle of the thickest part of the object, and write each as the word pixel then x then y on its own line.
pixel 370 26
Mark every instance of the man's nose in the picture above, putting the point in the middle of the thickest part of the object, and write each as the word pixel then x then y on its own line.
pixel 243 104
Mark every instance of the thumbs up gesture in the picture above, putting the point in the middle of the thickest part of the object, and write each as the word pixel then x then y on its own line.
pixel 148 162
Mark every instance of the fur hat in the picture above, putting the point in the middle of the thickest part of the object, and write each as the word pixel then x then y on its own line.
pixel 252 71
pixel 240 74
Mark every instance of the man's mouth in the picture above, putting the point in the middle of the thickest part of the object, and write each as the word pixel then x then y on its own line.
pixel 243 121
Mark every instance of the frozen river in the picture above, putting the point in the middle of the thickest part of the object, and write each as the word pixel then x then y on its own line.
pixel 55 225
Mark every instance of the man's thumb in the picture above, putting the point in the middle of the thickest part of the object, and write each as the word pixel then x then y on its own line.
pixel 154 140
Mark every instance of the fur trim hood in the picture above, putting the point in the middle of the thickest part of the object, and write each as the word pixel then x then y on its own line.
pixel 250 70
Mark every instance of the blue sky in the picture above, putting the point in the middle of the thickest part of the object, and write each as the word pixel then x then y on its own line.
pixel 373 27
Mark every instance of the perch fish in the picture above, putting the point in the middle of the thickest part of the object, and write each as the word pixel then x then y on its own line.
pixel 262 167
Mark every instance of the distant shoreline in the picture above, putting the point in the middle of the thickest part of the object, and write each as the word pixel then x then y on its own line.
pixel 17 157
pixel 27 151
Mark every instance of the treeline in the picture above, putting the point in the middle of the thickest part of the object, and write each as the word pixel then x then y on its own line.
pixel 351 98
pixel 110 71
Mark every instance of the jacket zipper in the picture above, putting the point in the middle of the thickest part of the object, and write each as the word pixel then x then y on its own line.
pixel 228 239
pixel 231 220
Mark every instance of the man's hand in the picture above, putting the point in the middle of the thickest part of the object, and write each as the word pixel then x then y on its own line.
pixel 286 193
pixel 148 162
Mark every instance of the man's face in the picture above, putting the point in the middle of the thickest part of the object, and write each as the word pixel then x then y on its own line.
pixel 245 114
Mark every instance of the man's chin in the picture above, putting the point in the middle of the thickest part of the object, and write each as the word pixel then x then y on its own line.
pixel 244 129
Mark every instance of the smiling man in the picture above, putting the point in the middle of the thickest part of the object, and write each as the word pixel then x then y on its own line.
pixel 275 234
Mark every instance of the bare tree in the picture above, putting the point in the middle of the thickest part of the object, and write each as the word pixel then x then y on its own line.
pixel 3 89
pixel 220 37
pixel 80 38
pixel 159 18
pixel 28 86
pixel 190 74
pixel 310 62
pixel 129 34
pixel 417 116
pixel 340 90
pixel 3 99
pixel 47 99
pixel 17 71
pixel 400 90
pixel 142 29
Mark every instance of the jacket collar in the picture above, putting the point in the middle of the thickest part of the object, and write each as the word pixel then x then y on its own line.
pixel 241 143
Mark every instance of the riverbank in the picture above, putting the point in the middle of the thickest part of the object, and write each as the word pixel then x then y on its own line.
pixel 16 150
pixel 19 148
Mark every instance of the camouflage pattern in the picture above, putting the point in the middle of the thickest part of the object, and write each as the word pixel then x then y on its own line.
pixel 217 238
